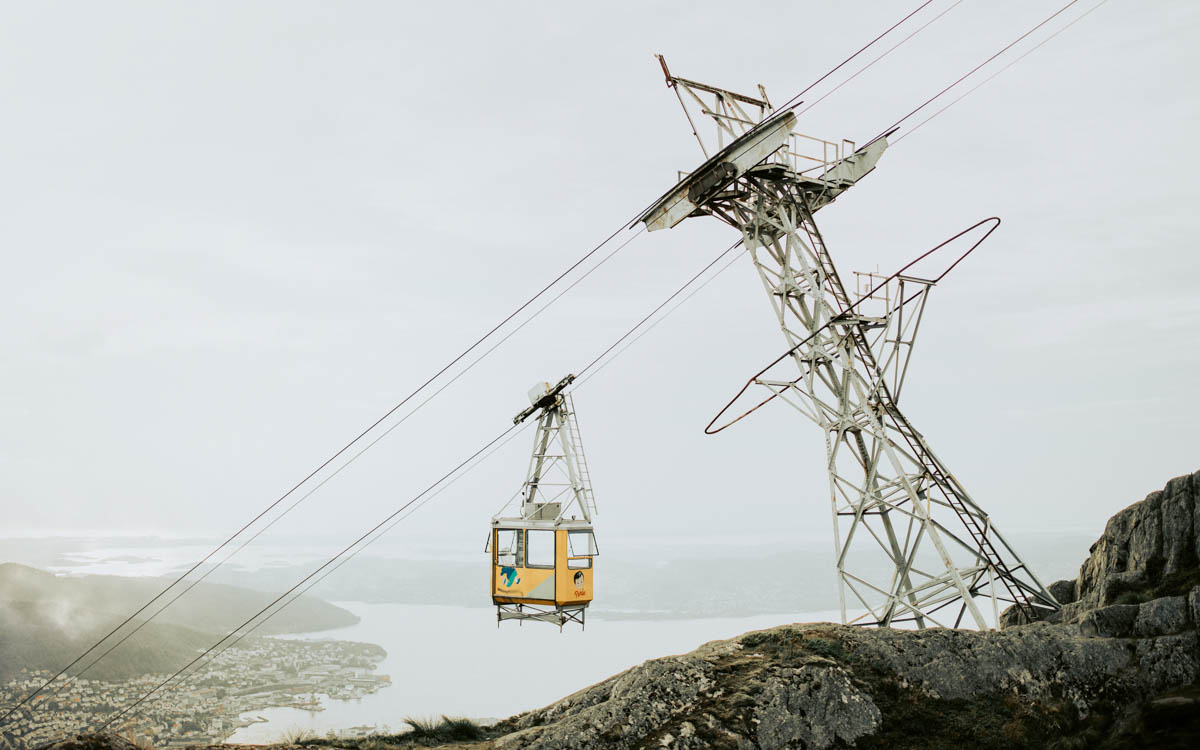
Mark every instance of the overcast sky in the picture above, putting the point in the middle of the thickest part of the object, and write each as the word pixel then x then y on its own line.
pixel 235 234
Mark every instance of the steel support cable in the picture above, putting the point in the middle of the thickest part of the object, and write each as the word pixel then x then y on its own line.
pixel 863 49
pixel 709 430
pixel 972 71
pixel 660 306
pixel 428 498
pixel 1013 62
pixel 512 434
pixel 889 51
pixel 358 543
pixel 661 318
pixel 391 411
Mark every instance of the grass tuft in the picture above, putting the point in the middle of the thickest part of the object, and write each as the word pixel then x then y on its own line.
pixel 421 728
pixel 446 729
pixel 458 729
pixel 296 736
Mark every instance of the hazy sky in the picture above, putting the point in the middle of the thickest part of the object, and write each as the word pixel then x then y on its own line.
pixel 235 234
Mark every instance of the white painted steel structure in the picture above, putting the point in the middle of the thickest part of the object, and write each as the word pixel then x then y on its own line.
pixel 910 543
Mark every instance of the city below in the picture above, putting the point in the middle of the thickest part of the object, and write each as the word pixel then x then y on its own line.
pixel 200 707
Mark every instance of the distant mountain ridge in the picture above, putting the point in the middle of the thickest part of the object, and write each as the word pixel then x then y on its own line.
pixel 47 620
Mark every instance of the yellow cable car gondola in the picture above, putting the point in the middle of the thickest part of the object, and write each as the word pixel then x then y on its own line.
pixel 543 560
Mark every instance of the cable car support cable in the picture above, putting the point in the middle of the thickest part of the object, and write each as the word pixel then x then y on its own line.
pixel 1011 63
pixel 972 71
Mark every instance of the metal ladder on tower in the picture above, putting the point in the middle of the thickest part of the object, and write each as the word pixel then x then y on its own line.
pixel 585 477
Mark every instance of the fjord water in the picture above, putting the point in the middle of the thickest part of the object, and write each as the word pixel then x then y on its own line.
pixel 455 661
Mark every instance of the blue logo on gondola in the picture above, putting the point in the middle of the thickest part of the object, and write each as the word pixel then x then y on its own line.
pixel 509 575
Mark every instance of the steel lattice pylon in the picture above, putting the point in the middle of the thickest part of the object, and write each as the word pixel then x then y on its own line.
pixel 910 543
